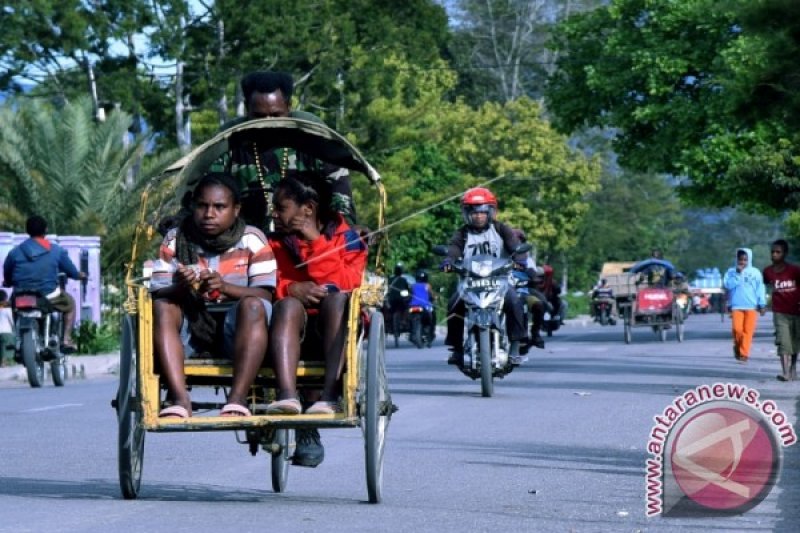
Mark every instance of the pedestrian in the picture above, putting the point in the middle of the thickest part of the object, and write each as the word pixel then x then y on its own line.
pixel 784 280
pixel 746 299
pixel 7 339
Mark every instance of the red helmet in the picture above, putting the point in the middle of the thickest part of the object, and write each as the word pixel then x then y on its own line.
pixel 478 200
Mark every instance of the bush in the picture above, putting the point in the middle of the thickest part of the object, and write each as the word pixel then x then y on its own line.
pixel 94 339
pixel 578 305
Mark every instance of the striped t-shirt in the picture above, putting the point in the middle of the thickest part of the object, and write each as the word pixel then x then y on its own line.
pixel 249 263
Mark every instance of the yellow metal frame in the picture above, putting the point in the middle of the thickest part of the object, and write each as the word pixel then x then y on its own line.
pixel 140 306
pixel 150 391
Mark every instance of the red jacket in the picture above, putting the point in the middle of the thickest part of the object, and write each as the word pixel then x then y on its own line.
pixel 340 260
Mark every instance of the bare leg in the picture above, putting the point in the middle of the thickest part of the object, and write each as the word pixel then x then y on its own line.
pixel 250 347
pixel 167 318
pixel 331 320
pixel 288 318
pixel 69 320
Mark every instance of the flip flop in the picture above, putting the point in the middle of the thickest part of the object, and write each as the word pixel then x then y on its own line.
pixel 174 411
pixel 234 409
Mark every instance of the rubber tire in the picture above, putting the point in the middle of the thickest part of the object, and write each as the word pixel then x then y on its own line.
pixel 33 365
pixel 59 370
pixel 129 415
pixel 416 330
pixel 280 461
pixel 603 318
pixel 662 333
pixel 487 372
pixel 679 325
pixel 376 407
pixel 627 333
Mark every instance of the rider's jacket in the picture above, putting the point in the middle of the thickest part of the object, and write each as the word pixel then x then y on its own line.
pixel 603 292
pixel 35 264
pixel 420 297
pixel 498 240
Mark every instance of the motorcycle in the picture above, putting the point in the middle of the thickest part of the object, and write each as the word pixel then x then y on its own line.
pixel 602 311
pixel 421 325
pixel 38 328
pixel 483 284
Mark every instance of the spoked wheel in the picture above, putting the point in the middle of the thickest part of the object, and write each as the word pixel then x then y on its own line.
pixel 281 458
pixel 30 358
pixel 58 368
pixel 487 372
pixel 129 414
pixel 375 406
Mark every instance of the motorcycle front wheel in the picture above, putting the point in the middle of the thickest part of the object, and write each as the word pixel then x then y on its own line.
pixel 485 346
pixel 30 358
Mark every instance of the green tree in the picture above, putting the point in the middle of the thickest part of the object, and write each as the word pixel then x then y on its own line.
pixel 700 89
pixel 78 173
pixel 630 214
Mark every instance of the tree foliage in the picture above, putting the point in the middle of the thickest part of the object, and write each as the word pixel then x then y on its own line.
pixel 77 173
pixel 700 89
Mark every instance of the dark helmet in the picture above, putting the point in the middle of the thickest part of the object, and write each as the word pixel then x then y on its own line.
pixel 398 269
pixel 422 276
pixel 603 281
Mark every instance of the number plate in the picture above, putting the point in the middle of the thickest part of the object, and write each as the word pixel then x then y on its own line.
pixel 482 283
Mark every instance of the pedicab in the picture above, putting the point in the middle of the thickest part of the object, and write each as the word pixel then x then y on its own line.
pixel 366 401
pixel 650 303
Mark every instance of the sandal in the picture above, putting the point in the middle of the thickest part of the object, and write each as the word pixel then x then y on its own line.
pixel 174 411
pixel 323 407
pixel 235 409
pixel 290 406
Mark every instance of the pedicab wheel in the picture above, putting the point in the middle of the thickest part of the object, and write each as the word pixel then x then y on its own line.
pixel 376 406
pixel 626 326
pixel 58 368
pixel 662 333
pixel 487 385
pixel 33 365
pixel 129 414
pixel 281 458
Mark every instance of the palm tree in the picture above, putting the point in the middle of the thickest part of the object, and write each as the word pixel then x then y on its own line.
pixel 83 176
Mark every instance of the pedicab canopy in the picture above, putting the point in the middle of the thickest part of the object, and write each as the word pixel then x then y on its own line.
pixel 312 138
pixel 647 263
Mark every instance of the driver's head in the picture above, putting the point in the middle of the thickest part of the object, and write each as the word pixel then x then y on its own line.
pixel 398 269
pixel 267 94
pixel 36 226
pixel 656 253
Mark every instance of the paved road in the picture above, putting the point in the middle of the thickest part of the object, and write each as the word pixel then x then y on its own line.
pixel 561 447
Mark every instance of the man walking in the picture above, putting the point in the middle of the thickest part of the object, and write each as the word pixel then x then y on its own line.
pixel 784 279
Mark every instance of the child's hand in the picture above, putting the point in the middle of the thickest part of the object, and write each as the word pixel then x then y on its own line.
pixel 305 226
pixel 186 276
pixel 211 284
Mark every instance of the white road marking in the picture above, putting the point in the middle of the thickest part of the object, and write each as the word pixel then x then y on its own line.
pixel 52 407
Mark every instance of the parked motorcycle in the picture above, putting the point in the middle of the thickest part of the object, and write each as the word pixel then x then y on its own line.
pixel 484 282
pixel 39 328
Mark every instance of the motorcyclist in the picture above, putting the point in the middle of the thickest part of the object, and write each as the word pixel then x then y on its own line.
pixel 602 293
pixel 552 292
pixel 34 265
pixel 422 296
pixel 528 277
pixel 482 234
pixel 398 297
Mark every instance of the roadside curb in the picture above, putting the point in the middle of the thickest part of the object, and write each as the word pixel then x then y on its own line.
pixel 78 367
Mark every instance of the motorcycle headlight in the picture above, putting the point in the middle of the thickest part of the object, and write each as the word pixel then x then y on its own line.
pixel 481 268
